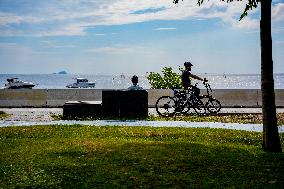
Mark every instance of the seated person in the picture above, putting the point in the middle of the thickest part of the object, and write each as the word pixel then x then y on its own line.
pixel 135 85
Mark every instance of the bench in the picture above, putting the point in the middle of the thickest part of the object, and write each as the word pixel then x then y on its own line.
pixel 82 109
pixel 114 104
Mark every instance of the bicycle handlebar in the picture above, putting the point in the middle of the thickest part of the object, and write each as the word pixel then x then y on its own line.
pixel 205 81
pixel 207 85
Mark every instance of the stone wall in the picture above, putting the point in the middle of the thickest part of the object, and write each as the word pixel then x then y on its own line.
pixel 57 97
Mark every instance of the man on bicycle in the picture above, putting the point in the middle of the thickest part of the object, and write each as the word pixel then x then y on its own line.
pixel 186 79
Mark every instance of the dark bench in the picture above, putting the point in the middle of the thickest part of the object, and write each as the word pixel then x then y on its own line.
pixel 125 104
pixel 114 104
pixel 82 109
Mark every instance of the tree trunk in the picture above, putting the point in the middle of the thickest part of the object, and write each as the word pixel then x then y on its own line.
pixel 271 141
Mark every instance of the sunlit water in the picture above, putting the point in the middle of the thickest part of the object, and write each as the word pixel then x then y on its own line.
pixel 59 81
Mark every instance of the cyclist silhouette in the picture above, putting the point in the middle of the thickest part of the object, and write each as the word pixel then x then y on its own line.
pixel 186 79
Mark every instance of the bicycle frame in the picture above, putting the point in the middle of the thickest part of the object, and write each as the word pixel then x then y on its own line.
pixel 183 100
pixel 187 99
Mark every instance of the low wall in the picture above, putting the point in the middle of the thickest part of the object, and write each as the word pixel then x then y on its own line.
pixel 57 97
pixel 23 98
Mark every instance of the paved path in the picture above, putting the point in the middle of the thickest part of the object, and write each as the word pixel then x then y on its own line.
pixel 42 116
pixel 31 114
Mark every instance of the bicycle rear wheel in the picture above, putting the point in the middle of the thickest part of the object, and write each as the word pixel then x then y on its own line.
pixel 165 106
pixel 213 105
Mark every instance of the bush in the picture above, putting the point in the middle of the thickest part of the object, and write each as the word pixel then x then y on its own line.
pixel 3 114
pixel 167 80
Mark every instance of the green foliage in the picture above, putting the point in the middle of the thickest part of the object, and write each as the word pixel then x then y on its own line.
pixel 168 80
pixel 251 4
pixel 3 115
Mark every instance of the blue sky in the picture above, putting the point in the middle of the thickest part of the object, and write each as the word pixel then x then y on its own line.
pixel 133 36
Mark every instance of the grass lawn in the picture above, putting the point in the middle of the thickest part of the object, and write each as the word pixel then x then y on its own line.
pixel 136 157
pixel 222 117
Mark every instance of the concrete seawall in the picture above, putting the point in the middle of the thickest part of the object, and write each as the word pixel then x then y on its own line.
pixel 57 97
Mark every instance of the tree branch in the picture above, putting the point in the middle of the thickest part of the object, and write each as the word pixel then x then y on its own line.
pixel 251 4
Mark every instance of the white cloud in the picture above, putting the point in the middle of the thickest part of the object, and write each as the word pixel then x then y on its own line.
pixel 54 44
pixel 65 17
pixel 119 50
pixel 13 18
pixel 65 30
pixel 277 12
pixel 43 30
pixel 165 29
pixel 246 23
pixel 278 29
pixel 11 48
pixel 279 42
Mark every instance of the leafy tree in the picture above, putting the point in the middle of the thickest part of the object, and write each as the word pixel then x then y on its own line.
pixel 169 79
pixel 271 140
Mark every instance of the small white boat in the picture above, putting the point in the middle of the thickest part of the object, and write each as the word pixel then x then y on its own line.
pixel 82 83
pixel 15 83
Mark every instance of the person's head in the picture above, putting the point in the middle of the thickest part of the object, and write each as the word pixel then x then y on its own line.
pixel 134 79
pixel 188 65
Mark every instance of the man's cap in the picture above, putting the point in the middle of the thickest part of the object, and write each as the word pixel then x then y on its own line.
pixel 187 64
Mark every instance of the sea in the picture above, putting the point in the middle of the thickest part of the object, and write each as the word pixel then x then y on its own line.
pixel 123 81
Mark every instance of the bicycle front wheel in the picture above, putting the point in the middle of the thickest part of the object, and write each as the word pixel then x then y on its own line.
pixel 165 106
pixel 213 105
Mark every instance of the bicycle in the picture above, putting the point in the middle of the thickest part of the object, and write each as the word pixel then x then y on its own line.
pixel 181 102
pixel 212 105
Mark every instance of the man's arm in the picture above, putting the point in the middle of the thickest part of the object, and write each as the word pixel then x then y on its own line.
pixel 197 77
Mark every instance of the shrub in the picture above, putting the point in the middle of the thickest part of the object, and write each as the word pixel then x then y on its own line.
pixel 168 80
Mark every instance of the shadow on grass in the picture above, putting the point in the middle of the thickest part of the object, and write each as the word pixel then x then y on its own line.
pixel 157 165
pixel 135 157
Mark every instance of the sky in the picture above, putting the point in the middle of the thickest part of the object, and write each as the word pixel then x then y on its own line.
pixel 133 36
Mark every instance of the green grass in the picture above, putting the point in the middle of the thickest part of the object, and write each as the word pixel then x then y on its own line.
pixel 136 157
pixel 224 118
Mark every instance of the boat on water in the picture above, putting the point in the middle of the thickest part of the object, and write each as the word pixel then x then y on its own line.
pixel 15 83
pixel 82 83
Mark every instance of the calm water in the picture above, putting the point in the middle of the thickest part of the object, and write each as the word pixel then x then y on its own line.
pixel 59 81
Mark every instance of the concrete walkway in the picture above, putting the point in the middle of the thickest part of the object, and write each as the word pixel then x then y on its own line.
pixel 45 114
pixel 42 116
